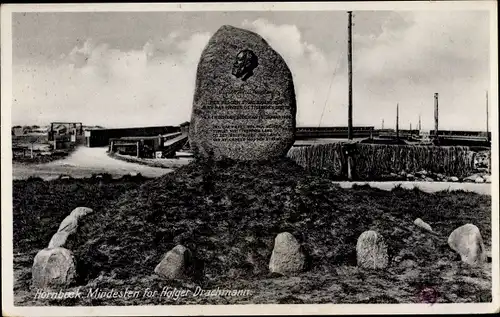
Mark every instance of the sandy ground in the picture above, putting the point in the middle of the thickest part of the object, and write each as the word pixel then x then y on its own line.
pixel 84 162
pixel 429 187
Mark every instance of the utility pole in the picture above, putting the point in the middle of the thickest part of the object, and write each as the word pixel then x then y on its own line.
pixel 382 124
pixel 349 67
pixel 419 124
pixel 397 121
pixel 436 115
pixel 411 132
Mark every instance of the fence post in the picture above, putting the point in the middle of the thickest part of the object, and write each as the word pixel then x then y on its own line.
pixel 349 150
pixel 349 167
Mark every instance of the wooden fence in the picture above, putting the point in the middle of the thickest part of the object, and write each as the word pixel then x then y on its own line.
pixel 375 160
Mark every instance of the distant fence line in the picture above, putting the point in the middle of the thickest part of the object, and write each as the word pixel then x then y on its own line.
pixel 375 160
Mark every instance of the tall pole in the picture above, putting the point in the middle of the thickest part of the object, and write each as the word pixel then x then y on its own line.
pixel 382 124
pixel 436 115
pixel 419 123
pixel 397 121
pixel 349 67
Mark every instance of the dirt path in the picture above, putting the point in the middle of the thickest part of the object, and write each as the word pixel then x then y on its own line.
pixel 84 162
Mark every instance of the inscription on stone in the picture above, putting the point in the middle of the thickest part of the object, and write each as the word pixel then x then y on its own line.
pixel 243 110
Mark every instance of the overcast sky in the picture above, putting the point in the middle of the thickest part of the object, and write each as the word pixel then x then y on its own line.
pixel 138 69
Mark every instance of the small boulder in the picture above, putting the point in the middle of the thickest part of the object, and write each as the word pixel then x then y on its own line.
pixel 81 212
pixel 371 251
pixel 422 224
pixel 471 178
pixel 479 179
pixel 58 239
pixel 487 178
pixel 174 263
pixel 69 224
pixel 467 241
pixel 410 176
pixel 453 179
pixel 287 256
pixel 53 267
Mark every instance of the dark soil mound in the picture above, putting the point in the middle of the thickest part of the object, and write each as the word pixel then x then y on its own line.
pixel 228 214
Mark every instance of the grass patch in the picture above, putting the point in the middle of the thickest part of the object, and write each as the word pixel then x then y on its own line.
pixel 228 214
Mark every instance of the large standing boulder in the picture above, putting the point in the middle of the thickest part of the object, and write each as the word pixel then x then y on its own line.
pixel 244 103
pixel 287 256
pixel 371 251
pixel 53 268
pixel 467 241
pixel 174 263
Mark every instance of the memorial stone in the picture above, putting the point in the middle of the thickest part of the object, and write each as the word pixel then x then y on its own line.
pixel 244 103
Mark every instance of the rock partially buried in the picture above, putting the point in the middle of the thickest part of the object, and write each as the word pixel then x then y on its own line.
pixel 70 223
pixel 174 263
pixel 68 227
pixel 79 212
pixel 371 251
pixel 58 239
pixel 422 224
pixel 467 241
pixel 53 268
pixel 287 256
pixel 244 103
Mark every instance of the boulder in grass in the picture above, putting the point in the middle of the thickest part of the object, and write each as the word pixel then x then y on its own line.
pixel 53 268
pixel 287 256
pixel 479 179
pixel 487 178
pixel 472 179
pixel 69 224
pixel 174 264
pixel 454 179
pixel 59 239
pixel 68 227
pixel 81 212
pixel 371 251
pixel 422 224
pixel 467 241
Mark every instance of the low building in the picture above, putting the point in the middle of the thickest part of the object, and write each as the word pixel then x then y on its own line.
pixel 102 137
pixel 160 146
